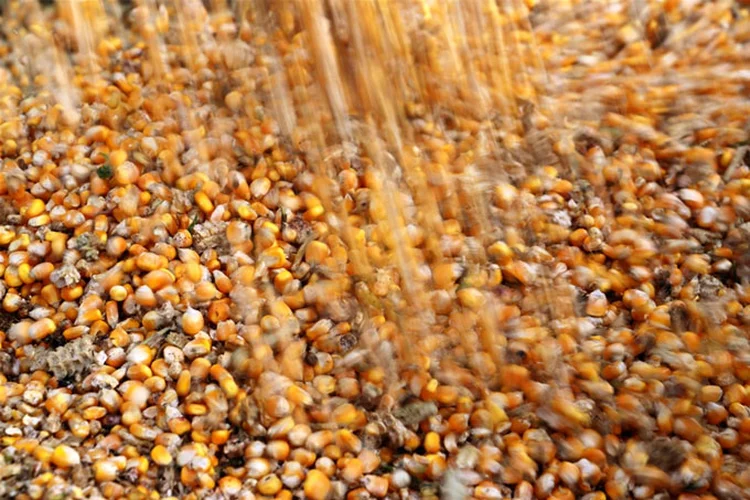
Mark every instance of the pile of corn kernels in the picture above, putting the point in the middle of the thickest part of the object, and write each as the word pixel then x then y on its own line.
pixel 365 249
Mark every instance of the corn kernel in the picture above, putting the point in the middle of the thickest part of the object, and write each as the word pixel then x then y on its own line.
pixel 160 455
pixel 64 457
pixel 204 202
pixel 317 486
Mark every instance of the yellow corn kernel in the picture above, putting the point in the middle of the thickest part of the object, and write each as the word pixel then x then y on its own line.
pixel 432 442
pixel 59 403
pixel 139 372
pixel 26 445
pixel 298 396
pixel 12 302
pixel 192 321
pixel 219 437
pixel 35 208
pixel 179 426
pixel 88 317
pixel 205 291
pixel 274 257
pixel 345 414
pixel 199 346
pixel 204 202
pixel 471 298
pixel 8 441
pixel 230 486
pixel 43 454
pixel 119 337
pixel 206 481
pixel 105 470
pixel 50 294
pixel 348 441
pixel 75 332
pixel 269 485
pixel 313 213
pixel 158 279
pixel 40 220
pixel 148 261
pixel 117 157
pixel 20 243
pixel 183 383
pixel 223 283
pixel 6 236
pixel 11 277
pixel 41 328
pixel 118 293
pixel 196 409
pixel 199 368
pixel 282 279
pixel 193 271
pixel 160 455
pixel 317 486
pixel 71 293
pixel 64 456
pixel 130 414
pixel 141 464
pixel 245 211
pixel 94 413
pixel 497 414
pixel 135 392
pixel 24 273
pixel 271 227
pixel 201 437
pixel 188 476
pixel 225 380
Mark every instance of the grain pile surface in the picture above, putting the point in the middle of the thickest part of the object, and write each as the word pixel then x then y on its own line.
pixel 353 249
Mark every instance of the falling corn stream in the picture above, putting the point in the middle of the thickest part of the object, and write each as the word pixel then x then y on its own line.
pixel 349 249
